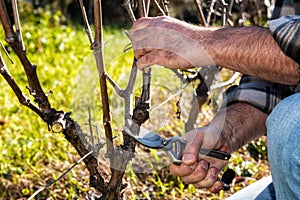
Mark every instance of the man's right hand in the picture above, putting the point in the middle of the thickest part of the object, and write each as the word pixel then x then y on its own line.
pixel 201 170
pixel 229 130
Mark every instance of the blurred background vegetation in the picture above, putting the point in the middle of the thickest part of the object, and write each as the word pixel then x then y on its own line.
pixel 31 155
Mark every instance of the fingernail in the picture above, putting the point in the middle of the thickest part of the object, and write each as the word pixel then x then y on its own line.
pixel 188 157
pixel 218 187
pixel 204 164
pixel 214 172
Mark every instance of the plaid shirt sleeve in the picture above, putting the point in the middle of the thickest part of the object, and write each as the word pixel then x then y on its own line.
pixel 262 94
pixel 286 32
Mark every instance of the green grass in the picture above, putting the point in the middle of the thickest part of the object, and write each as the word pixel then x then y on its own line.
pixel 31 155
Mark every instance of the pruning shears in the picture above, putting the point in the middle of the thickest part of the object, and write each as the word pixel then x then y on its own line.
pixel 175 146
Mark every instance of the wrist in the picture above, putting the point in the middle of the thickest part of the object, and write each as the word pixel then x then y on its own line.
pixel 222 127
pixel 205 54
pixel 240 123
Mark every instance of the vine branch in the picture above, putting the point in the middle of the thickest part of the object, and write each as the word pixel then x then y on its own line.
pixel 29 68
pixel 86 22
pixel 23 99
pixel 52 117
pixel 97 47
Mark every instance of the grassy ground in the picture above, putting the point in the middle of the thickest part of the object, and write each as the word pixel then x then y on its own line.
pixel 31 155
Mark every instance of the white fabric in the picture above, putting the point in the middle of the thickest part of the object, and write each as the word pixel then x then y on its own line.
pixel 252 191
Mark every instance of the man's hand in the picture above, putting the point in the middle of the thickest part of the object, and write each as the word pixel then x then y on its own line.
pixel 176 44
pixel 169 42
pixel 229 130
pixel 201 170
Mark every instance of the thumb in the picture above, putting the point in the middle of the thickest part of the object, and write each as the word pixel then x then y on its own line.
pixel 194 140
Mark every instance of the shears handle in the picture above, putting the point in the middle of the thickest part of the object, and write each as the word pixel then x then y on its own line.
pixel 177 151
pixel 176 145
pixel 215 154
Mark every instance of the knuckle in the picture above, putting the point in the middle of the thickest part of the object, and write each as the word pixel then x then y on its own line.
pixel 207 182
pixel 200 172
pixel 196 176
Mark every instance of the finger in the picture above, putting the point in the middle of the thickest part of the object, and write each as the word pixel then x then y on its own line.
pixel 148 59
pixel 210 179
pixel 198 174
pixel 138 53
pixel 190 154
pixel 216 187
pixel 160 57
pixel 182 170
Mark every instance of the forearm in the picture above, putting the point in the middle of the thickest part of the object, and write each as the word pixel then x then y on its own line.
pixel 243 123
pixel 176 44
pixel 252 51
